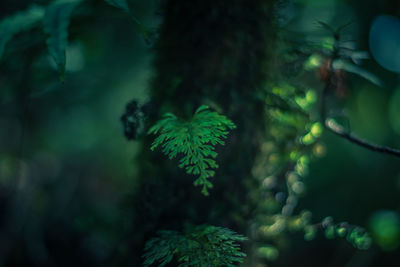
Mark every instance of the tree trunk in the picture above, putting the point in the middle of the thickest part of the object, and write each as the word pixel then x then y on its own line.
pixel 215 53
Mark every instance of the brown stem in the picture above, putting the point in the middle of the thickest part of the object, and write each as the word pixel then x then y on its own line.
pixel 337 129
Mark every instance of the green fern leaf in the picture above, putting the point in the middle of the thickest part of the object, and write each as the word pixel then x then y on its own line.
pixel 202 245
pixel 56 24
pixel 21 21
pixel 195 140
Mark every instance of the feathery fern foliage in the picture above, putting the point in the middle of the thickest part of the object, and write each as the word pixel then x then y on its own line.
pixel 203 245
pixel 195 139
pixel 55 19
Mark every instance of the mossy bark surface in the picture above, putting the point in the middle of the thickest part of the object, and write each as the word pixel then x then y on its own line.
pixel 215 53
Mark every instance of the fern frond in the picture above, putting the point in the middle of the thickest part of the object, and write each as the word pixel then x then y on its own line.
pixel 195 139
pixel 21 21
pixel 56 24
pixel 202 245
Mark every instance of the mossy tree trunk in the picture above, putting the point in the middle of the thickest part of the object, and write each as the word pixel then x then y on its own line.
pixel 215 53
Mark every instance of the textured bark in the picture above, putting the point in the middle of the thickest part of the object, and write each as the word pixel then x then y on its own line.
pixel 215 53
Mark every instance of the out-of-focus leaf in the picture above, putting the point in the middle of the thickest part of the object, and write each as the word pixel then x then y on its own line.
pixel 350 67
pixel 56 24
pixel 356 56
pixel 21 21
pixel 326 26
pixel 332 30
pixel 344 26
pixel 123 5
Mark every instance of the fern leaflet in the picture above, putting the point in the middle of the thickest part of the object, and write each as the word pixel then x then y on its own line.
pixel 202 245
pixel 195 139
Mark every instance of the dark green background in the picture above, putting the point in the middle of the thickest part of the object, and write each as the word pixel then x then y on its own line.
pixel 68 175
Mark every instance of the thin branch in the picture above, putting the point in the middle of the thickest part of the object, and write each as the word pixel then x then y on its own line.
pixel 337 129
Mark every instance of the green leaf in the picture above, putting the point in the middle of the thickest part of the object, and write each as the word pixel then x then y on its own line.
pixel 332 30
pixel 56 22
pixel 19 22
pixel 349 67
pixel 196 246
pixel 195 140
pixel 122 4
pixel 344 26
pixel 327 26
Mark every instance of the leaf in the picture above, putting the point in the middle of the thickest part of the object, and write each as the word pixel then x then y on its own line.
pixel 196 246
pixel 344 26
pixel 326 26
pixel 201 108
pixel 122 4
pixel 356 56
pixel 195 139
pixel 56 22
pixel 21 21
pixel 349 67
pixel 332 30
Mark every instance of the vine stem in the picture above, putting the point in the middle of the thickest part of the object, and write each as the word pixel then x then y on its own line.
pixel 337 129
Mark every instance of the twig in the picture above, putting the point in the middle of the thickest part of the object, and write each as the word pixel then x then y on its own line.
pixel 337 129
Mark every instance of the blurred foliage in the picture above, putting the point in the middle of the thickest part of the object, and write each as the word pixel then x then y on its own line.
pixel 56 22
pixel 385 226
pixel 17 23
